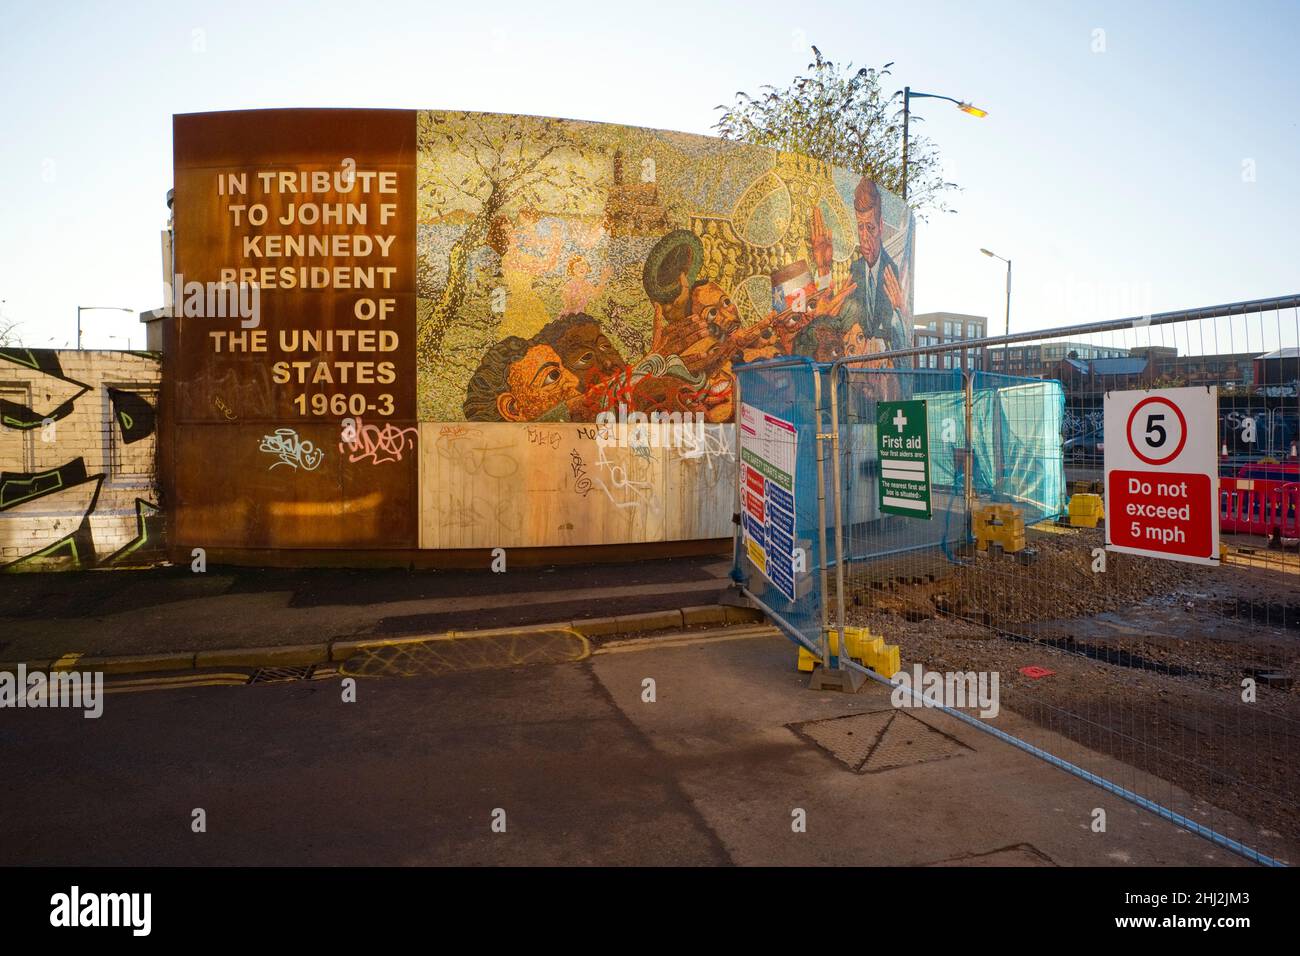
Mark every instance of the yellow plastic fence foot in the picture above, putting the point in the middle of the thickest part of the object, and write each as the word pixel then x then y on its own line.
pixel 870 652
pixel 1086 510
pixel 998 524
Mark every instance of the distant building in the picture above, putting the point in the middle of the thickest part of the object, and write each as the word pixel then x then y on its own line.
pixel 1156 366
pixel 1088 369
pixel 1043 360
pixel 1227 371
pixel 1098 375
pixel 1279 371
pixel 943 328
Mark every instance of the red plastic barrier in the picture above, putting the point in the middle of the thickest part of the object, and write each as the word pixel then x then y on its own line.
pixel 1257 506
pixel 1287 513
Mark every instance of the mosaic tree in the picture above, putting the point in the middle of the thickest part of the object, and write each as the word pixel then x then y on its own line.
pixel 485 168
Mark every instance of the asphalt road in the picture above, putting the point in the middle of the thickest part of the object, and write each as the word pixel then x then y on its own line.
pixel 410 773
pixel 586 770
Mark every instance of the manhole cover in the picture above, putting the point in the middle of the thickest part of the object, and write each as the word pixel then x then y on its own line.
pixel 870 743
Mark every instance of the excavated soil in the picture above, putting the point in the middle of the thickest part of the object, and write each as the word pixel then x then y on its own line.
pixel 1147 658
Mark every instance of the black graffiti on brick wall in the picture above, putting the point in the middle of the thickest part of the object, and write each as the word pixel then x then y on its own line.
pixel 53 396
pixel 61 498
pixel 50 511
pixel 133 414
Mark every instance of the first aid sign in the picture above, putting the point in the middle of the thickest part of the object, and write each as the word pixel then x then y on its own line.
pixel 1162 474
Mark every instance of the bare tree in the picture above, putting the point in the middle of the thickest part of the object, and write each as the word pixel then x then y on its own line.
pixel 842 117
pixel 9 332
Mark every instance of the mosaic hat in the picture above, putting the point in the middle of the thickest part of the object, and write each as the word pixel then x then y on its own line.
pixel 679 251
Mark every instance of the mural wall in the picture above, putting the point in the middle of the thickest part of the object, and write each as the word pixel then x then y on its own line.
pixel 565 268
pixel 453 305
pixel 78 437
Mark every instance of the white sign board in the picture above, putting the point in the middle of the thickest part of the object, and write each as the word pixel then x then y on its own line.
pixel 1162 473
pixel 769 448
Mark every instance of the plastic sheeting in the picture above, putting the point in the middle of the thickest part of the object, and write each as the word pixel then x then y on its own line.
pixel 788 394
pixel 1016 437
pixel 1027 467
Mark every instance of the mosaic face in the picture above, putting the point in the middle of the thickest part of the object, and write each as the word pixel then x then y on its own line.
pixel 536 383
pixel 588 353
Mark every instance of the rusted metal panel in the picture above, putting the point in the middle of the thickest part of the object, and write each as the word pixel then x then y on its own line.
pixel 301 436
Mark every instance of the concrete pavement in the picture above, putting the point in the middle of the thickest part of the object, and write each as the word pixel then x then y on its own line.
pixel 104 614
pixel 740 729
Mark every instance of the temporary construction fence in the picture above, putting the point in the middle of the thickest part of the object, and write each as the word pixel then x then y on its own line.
pixel 951 500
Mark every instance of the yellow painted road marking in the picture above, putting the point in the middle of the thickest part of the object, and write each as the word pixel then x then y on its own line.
pixel 435 654
pixel 66 661
pixel 176 682
pixel 151 687
pixel 128 685
pixel 686 640
pixel 522 632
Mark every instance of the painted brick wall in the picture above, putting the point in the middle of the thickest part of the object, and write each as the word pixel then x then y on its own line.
pixel 78 459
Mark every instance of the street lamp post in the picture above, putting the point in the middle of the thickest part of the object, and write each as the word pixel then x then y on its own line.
pixel 95 308
pixel 908 95
pixel 994 255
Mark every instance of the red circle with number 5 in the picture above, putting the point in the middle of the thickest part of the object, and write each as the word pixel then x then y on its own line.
pixel 1182 438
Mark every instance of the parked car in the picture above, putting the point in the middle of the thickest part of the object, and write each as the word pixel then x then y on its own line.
pixel 1086 449
pixel 1270 471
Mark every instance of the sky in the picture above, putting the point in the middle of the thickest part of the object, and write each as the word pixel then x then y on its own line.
pixel 1136 157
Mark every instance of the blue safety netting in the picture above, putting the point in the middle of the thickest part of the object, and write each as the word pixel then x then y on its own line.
pixel 1015 453
pixel 867 533
pixel 1020 433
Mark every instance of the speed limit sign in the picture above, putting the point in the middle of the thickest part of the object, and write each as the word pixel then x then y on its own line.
pixel 1162 473
pixel 1157 430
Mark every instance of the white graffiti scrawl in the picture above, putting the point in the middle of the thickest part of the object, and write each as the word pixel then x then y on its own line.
pixel 291 450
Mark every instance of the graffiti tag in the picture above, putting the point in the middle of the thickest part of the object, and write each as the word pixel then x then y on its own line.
pixel 539 436
pixel 291 450
pixel 632 493
pixel 709 446
pixel 460 513
pixel 581 480
pixel 376 443
pixel 473 456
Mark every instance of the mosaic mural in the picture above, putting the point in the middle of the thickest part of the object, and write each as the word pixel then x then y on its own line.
pixel 567 268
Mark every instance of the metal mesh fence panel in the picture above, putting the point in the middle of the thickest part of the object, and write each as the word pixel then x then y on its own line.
pixel 1172 681
pixel 871 536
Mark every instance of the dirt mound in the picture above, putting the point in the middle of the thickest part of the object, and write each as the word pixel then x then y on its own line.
pixel 1055 579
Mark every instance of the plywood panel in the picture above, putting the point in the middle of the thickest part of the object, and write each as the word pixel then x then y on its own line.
pixel 488 485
